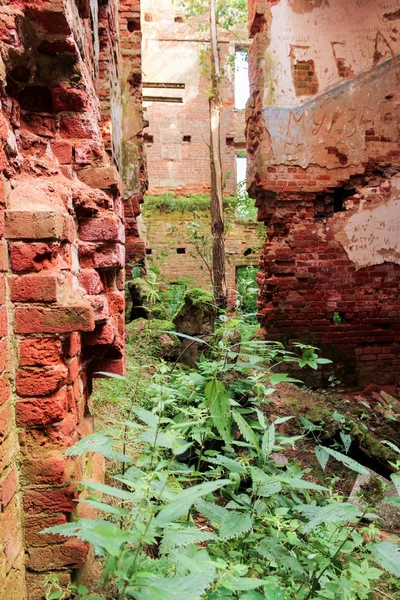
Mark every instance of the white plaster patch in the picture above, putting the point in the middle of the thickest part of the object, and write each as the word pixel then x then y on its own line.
pixel 372 236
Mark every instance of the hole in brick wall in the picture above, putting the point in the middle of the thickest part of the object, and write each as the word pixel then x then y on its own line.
pixel 304 78
pixel 133 25
pixel 35 99
pixel 20 73
pixel 178 19
pixel 187 138
pixel 148 17
pixel 148 139
pixel 248 251
pixel 340 195
pixel 181 250
pixel 230 140
pixel 149 251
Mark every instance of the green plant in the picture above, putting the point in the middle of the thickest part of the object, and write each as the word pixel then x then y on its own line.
pixel 204 511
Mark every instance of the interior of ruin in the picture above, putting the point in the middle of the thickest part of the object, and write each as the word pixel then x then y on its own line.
pixel 103 102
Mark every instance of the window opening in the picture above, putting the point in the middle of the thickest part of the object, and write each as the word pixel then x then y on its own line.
pixel 242 86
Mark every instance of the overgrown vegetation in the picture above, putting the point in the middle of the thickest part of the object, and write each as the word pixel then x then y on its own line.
pixel 203 508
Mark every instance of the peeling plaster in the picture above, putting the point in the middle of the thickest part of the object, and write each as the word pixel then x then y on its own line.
pixel 371 236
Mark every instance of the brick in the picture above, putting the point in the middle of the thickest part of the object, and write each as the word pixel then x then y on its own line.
pixel 63 319
pixel 3 355
pixel 2 289
pixel 34 352
pixel 47 500
pixel 90 280
pixel 33 257
pixel 102 229
pixel 40 381
pixel 41 224
pixel 49 470
pixel 3 322
pixel 116 366
pixel 8 450
pixel 5 420
pixel 34 526
pixel 88 152
pixel 71 127
pixel 3 256
pixel 34 288
pixel 100 256
pixel 73 344
pixel 4 389
pixel 62 149
pixel 70 555
pixel 104 333
pixel 68 99
pixel 42 410
pixel 8 486
pixel 103 178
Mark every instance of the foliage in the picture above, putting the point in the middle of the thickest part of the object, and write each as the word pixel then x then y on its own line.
pixel 170 202
pixel 204 511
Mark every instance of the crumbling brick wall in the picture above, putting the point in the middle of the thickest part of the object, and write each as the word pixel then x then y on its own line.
pixel 176 101
pixel 323 146
pixel 61 269
pixel 171 246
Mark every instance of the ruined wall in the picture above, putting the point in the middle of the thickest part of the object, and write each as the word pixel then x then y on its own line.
pixel 61 269
pixel 323 146
pixel 177 137
pixel 171 247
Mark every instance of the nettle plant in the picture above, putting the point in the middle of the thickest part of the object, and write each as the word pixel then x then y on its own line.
pixel 205 512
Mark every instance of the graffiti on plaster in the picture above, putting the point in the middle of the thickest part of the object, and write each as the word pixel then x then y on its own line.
pixel 302 135
pixel 372 236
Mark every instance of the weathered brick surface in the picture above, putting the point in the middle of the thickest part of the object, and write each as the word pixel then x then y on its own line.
pixel 60 204
pixel 324 171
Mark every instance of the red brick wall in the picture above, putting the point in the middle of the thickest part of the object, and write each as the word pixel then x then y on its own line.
pixel 166 231
pixel 324 171
pixel 61 274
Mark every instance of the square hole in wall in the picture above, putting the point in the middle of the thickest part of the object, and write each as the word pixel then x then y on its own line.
pixel 181 250
pixel 149 251
pixel 148 139
pixel 133 25
pixel 187 138
pixel 179 19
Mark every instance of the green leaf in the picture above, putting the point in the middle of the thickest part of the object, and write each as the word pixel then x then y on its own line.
pixel 276 378
pixel 346 439
pixel 322 456
pixel 107 508
pixel 235 524
pixel 268 440
pixel 55 595
pixel 239 584
pixel 300 484
pixel 99 443
pixel 146 416
pixel 110 375
pixel 183 536
pixel 185 500
pixel 228 463
pixel 245 429
pixel 190 587
pixel 387 555
pixel 392 446
pixel 334 512
pixel 282 420
pixel 218 400
pixel 347 461
pixel 395 477
pixel 106 537
pixel 108 489
pixel 215 513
